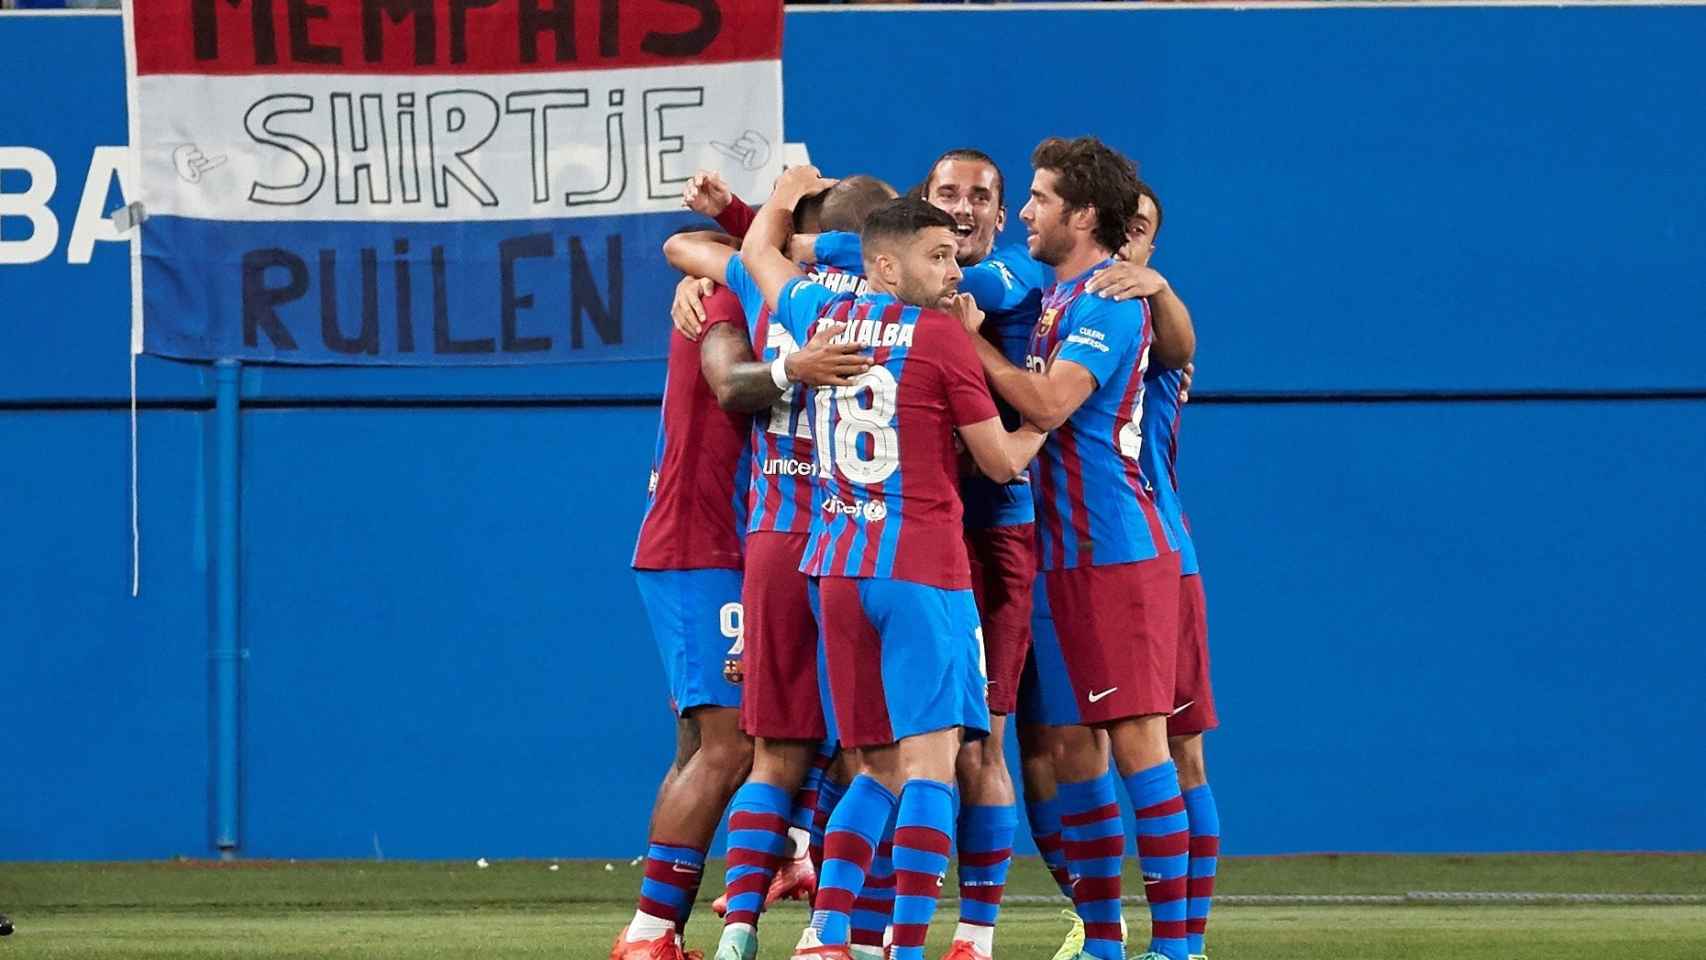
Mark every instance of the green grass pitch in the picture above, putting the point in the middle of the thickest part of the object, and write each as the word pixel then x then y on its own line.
pixel 418 910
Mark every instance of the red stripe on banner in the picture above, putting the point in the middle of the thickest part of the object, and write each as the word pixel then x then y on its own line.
pixel 448 36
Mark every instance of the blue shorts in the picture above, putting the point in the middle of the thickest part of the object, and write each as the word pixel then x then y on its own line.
pixel 903 659
pixel 1046 696
pixel 696 618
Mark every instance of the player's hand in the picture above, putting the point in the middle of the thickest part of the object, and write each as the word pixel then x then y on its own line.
pixel 1125 281
pixel 688 311
pixel 707 194
pixel 823 364
pixel 797 183
pixel 966 311
pixel 1185 376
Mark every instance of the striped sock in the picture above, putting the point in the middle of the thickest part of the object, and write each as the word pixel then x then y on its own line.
pixel 687 908
pixel 923 839
pixel 1045 830
pixel 1095 848
pixel 873 911
pixel 758 844
pixel 667 892
pixel 805 801
pixel 829 794
pixel 1163 848
pixel 1205 854
pixel 985 845
pixel 848 847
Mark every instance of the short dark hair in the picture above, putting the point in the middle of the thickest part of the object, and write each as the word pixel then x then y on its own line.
pixel 809 206
pixel 1089 173
pixel 850 201
pixel 976 156
pixel 1145 190
pixel 900 218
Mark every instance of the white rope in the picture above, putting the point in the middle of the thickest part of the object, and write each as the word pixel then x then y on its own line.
pixel 135 493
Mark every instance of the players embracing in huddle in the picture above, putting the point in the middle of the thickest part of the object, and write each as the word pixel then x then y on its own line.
pixel 972 450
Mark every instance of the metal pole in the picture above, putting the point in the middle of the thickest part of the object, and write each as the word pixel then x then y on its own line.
pixel 226 641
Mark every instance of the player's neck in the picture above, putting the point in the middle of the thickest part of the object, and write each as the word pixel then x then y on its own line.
pixel 875 284
pixel 1083 257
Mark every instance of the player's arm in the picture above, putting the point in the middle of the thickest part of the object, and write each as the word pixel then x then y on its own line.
pixel 745 384
pixel 708 195
pixel 837 248
pixel 1175 336
pixel 700 253
pixel 764 251
pixel 994 285
pixel 1002 456
pixel 1045 399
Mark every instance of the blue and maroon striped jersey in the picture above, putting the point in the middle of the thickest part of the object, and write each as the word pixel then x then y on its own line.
pixel 782 459
pixel 887 470
pixel 1008 286
pixel 696 500
pixel 1162 413
pixel 1093 505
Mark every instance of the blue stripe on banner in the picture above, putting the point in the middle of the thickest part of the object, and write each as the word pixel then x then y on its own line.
pixel 383 292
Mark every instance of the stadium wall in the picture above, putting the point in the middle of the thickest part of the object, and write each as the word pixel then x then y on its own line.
pixel 1444 461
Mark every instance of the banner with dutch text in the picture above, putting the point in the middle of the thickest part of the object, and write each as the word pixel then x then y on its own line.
pixel 433 181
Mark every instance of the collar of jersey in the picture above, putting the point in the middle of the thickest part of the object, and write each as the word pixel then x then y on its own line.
pixel 1068 284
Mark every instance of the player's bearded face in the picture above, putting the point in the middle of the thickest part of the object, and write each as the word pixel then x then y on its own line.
pixel 929 270
pixel 1045 216
pixel 968 191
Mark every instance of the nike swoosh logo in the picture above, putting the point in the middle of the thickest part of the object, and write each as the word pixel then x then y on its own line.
pixel 1096 695
pixel 1181 709
pixel 678 868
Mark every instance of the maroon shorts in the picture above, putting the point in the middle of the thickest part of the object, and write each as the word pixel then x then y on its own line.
pixel 1003 567
pixel 1119 636
pixel 1193 696
pixel 779 699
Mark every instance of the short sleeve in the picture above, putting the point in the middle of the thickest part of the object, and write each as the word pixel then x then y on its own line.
pixel 969 401
pixel 994 285
pixel 744 286
pixel 1102 334
pixel 736 218
pixel 722 306
pixel 799 305
pixel 841 250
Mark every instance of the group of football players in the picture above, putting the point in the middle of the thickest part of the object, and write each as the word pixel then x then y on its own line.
pixel 908 483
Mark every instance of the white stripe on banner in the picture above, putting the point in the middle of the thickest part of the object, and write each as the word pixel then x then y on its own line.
pixel 445 148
